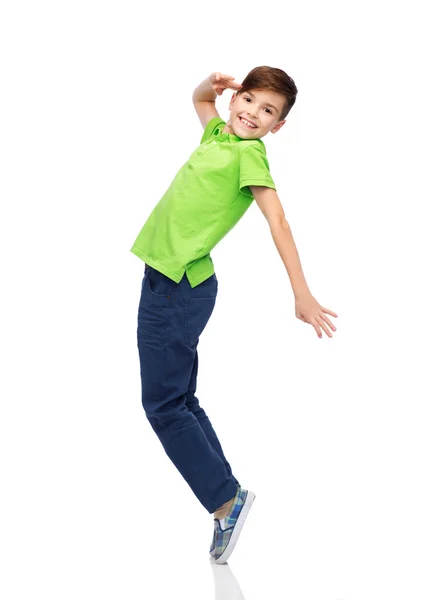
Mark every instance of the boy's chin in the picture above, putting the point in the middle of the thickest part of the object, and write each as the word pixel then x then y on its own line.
pixel 244 133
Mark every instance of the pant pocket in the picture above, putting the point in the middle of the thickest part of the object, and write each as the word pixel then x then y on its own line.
pixel 159 288
pixel 152 324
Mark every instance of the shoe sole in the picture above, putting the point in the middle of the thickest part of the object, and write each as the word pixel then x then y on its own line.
pixel 237 529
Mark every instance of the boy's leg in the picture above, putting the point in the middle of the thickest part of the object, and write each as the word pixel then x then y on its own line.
pixel 193 405
pixel 170 319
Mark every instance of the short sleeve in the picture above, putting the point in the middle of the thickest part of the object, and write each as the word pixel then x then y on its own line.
pixel 254 169
pixel 210 127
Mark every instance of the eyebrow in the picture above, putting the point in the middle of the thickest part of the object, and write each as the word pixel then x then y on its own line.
pixel 267 103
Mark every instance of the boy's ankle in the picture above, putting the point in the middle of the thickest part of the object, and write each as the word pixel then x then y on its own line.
pixel 222 512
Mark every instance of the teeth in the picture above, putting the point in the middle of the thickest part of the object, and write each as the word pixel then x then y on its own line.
pixel 247 123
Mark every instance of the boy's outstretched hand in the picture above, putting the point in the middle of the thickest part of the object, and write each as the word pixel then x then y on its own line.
pixel 308 309
pixel 221 82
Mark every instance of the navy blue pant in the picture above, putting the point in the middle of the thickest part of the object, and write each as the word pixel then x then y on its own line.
pixel 171 317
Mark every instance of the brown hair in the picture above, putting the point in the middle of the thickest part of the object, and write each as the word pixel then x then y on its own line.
pixel 271 78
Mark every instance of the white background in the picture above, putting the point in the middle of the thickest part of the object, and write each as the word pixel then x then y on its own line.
pixel 337 437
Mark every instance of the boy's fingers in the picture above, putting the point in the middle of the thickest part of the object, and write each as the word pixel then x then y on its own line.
pixel 223 86
pixel 228 84
pixel 318 330
pixel 327 320
pixel 321 322
pixel 225 78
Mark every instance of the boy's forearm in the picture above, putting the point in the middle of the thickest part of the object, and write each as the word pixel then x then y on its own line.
pixel 204 92
pixel 285 244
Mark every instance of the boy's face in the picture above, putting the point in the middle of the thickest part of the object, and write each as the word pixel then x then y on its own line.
pixel 261 108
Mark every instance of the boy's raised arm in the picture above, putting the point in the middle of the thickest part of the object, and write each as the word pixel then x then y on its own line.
pixel 204 95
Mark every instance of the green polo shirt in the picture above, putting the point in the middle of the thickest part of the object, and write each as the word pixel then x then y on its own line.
pixel 207 197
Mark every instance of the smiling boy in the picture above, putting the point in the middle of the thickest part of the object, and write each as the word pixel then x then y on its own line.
pixel 208 196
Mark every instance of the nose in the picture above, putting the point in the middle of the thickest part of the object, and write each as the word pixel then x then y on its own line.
pixel 252 113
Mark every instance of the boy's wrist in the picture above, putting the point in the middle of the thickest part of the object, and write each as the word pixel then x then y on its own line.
pixel 301 291
pixel 204 92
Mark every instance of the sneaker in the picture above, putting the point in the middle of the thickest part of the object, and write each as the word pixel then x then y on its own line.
pixel 213 543
pixel 227 530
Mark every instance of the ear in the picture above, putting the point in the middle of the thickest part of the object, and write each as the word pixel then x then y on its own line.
pixel 233 99
pixel 278 126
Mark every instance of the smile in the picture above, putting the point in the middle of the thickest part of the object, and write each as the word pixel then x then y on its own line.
pixel 247 123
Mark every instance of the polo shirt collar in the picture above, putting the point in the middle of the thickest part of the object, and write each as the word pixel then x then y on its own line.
pixel 220 136
pixel 230 137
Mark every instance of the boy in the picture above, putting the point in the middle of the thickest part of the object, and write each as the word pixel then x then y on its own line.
pixel 207 197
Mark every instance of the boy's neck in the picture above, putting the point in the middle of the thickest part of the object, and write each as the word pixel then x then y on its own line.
pixel 228 129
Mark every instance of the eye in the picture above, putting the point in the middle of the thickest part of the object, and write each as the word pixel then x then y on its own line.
pixel 269 111
pixel 247 98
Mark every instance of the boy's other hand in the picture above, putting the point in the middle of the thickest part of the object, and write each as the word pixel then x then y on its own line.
pixel 220 82
pixel 308 309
